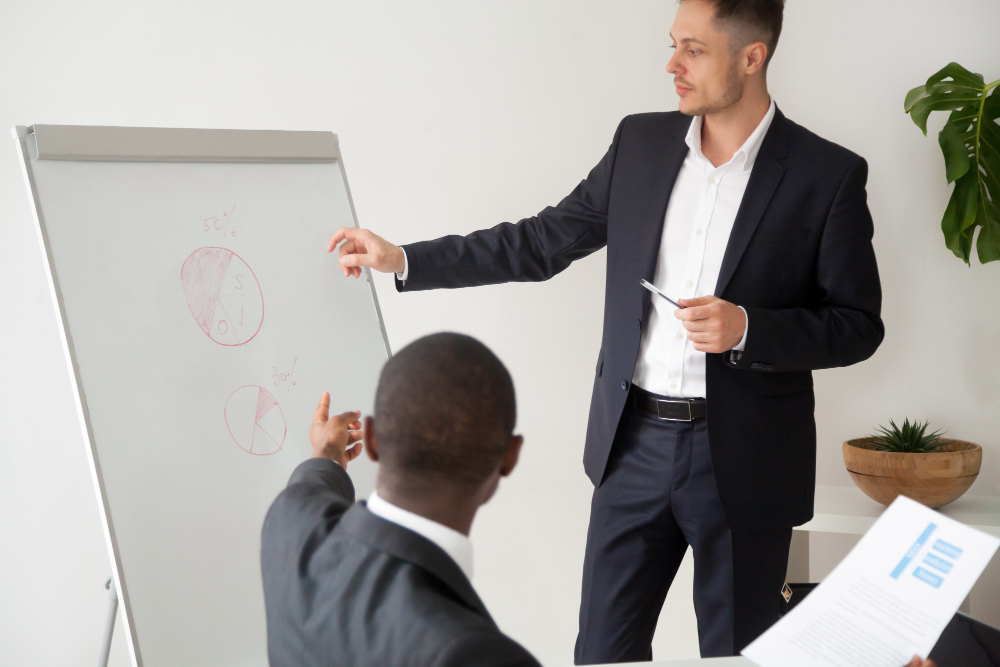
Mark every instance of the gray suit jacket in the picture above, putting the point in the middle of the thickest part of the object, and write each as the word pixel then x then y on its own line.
pixel 345 587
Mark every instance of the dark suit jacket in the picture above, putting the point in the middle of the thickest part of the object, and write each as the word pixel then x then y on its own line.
pixel 343 587
pixel 799 259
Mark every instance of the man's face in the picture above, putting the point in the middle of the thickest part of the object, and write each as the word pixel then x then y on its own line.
pixel 705 75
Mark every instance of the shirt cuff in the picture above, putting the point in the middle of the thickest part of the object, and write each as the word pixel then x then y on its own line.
pixel 743 341
pixel 406 269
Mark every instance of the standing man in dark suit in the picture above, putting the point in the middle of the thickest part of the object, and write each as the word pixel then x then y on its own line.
pixel 701 427
pixel 387 582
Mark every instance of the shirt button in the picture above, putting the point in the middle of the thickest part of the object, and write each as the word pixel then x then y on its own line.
pixel 679 336
pixel 673 385
pixel 690 283
pixel 624 385
pixel 699 232
pixel 711 181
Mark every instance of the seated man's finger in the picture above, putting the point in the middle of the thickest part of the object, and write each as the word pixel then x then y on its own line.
pixel 347 418
pixel 323 409
pixel 352 453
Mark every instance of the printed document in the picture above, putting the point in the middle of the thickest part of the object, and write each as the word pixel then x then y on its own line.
pixel 888 600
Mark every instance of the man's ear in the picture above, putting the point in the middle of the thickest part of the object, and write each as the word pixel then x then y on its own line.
pixel 755 57
pixel 510 457
pixel 371 442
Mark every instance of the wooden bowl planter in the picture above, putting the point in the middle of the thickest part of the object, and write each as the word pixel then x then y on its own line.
pixel 934 479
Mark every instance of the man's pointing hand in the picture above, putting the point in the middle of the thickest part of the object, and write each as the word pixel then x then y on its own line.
pixel 363 248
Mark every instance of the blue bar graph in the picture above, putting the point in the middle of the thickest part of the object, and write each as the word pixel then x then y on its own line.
pixel 938 563
pixel 914 550
pixel 927 577
pixel 949 550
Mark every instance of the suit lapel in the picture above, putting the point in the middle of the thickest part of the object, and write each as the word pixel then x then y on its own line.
pixel 671 159
pixel 764 179
pixel 650 233
pixel 407 545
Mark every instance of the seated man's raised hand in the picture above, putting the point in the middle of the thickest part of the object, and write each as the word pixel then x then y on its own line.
pixel 332 438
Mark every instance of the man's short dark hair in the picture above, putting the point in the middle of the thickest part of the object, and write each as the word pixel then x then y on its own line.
pixel 444 409
pixel 749 21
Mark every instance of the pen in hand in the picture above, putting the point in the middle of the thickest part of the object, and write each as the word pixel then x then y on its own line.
pixel 652 288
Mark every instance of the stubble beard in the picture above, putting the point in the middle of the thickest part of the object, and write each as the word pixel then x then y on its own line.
pixel 730 97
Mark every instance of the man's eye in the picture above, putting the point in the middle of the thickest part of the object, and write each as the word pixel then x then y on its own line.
pixel 693 52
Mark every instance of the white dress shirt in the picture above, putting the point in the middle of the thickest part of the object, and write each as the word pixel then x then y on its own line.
pixel 452 542
pixel 699 219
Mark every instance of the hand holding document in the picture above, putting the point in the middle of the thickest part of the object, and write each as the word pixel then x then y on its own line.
pixel 888 600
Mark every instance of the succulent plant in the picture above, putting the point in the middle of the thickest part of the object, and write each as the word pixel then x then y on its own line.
pixel 909 437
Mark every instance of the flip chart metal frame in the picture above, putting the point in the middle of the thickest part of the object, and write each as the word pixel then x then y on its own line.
pixel 153 144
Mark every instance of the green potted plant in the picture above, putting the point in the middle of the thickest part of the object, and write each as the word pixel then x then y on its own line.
pixel 970 141
pixel 908 461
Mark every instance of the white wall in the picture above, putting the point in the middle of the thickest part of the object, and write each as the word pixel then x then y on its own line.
pixel 453 116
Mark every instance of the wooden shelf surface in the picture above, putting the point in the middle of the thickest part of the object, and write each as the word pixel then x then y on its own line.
pixel 846 509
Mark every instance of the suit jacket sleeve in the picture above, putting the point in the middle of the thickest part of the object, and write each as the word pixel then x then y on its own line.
pixel 485 650
pixel 845 326
pixel 533 249
pixel 304 513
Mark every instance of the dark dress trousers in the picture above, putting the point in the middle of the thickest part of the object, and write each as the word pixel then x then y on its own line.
pixel 799 260
pixel 347 588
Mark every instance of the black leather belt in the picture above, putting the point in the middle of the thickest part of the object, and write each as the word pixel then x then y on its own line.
pixel 671 409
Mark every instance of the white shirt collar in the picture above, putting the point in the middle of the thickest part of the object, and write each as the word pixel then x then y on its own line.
pixel 452 542
pixel 745 156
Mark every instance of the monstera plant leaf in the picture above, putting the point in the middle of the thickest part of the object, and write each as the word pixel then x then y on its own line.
pixel 970 142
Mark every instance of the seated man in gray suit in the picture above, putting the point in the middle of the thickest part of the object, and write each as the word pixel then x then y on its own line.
pixel 387 583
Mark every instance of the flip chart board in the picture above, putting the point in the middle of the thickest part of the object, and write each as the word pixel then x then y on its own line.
pixel 201 319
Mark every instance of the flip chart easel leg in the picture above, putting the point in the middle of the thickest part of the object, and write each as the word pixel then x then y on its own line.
pixel 109 624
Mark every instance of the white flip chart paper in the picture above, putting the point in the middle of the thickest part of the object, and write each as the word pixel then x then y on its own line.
pixel 201 319
pixel 888 600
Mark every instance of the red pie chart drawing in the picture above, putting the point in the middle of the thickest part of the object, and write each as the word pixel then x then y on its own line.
pixel 223 295
pixel 255 420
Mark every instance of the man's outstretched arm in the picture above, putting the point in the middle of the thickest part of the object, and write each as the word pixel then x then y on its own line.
pixel 319 490
pixel 317 495
pixel 533 249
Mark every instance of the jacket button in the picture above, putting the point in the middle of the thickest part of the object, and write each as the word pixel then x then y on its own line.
pixel 624 385
pixel 755 365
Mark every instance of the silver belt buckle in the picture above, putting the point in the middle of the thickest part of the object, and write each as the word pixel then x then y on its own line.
pixel 659 413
